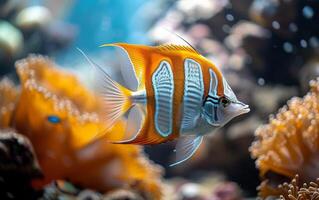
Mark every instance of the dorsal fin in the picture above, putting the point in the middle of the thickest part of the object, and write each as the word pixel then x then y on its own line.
pixel 173 47
pixel 183 39
pixel 137 58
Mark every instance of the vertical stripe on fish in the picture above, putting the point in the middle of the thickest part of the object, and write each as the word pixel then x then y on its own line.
pixel 212 100
pixel 163 85
pixel 193 94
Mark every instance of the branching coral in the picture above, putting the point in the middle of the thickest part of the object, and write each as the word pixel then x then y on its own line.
pixel 289 144
pixel 59 116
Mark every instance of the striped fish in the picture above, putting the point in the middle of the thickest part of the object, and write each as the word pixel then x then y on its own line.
pixel 172 92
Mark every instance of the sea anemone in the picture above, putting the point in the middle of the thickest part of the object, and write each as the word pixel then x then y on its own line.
pixel 289 143
pixel 59 116
pixel 293 191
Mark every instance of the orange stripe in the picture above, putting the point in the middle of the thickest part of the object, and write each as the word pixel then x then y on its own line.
pixel 179 83
pixel 148 133
pixel 206 65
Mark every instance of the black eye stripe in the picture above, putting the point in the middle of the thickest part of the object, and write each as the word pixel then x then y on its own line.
pixel 212 99
pixel 215 98
pixel 214 102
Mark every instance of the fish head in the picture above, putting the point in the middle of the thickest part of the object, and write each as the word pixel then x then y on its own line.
pixel 224 111
pixel 220 109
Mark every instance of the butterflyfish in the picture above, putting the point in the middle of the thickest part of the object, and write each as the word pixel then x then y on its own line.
pixel 172 92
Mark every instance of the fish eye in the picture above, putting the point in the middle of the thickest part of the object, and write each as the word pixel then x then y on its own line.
pixel 224 101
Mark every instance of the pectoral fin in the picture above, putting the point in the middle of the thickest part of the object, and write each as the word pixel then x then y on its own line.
pixel 186 147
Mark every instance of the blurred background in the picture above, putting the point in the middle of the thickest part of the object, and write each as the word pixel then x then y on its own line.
pixel 267 50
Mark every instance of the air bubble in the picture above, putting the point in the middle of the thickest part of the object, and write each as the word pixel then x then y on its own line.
pixel 230 17
pixel 275 25
pixel 303 43
pixel 288 47
pixel 261 81
pixel 307 12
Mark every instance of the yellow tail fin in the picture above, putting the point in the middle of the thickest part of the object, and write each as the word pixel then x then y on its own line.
pixel 116 98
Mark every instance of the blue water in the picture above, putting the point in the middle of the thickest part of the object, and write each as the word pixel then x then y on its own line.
pixel 104 21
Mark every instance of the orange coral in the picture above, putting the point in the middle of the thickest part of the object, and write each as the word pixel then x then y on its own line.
pixel 289 144
pixel 67 147
pixel 7 101
pixel 48 91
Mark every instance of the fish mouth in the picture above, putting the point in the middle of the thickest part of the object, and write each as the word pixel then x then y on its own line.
pixel 245 109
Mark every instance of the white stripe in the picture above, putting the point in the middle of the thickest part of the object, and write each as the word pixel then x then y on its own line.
pixel 193 94
pixel 163 84
pixel 213 83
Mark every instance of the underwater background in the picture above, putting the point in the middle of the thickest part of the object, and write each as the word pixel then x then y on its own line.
pixel 268 50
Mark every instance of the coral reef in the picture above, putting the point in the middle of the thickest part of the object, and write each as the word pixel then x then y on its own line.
pixel 51 93
pixel 288 145
pixel 211 187
pixel 66 190
pixel 59 116
pixel 294 190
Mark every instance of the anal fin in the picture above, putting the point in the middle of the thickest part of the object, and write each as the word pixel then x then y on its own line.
pixel 135 134
pixel 144 138
pixel 186 147
pixel 134 123
pixel 137 130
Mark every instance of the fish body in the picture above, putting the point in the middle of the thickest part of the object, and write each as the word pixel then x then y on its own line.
pixel 172 92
